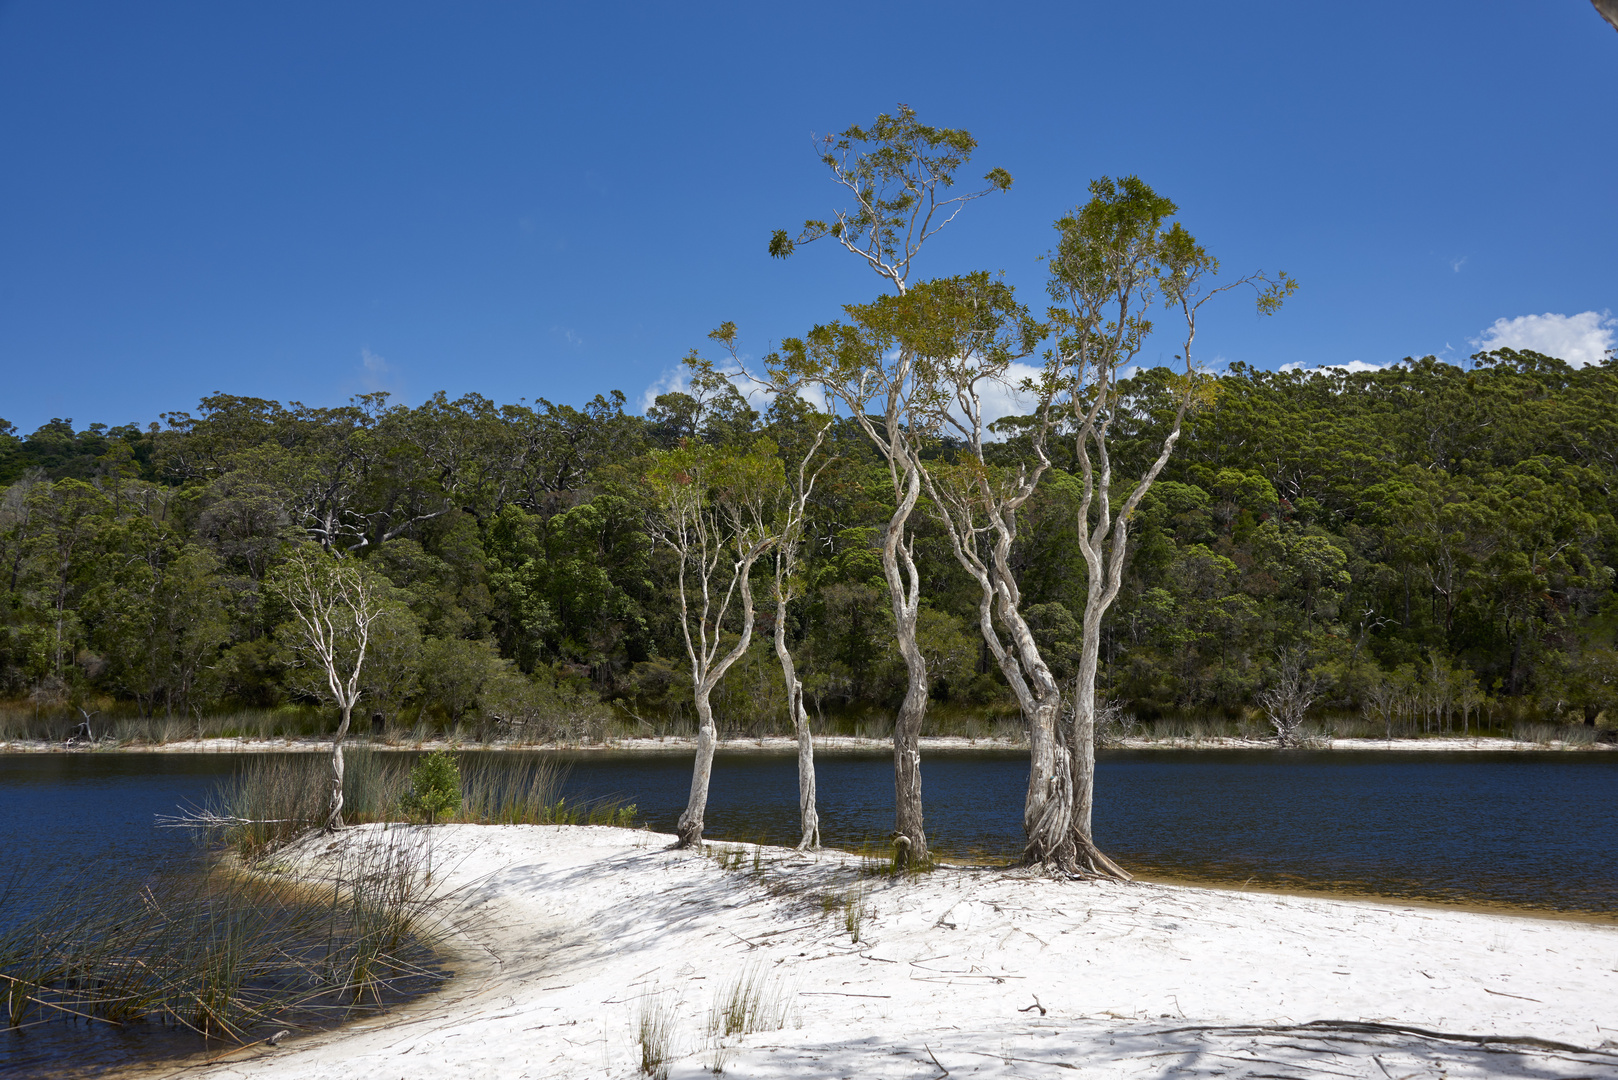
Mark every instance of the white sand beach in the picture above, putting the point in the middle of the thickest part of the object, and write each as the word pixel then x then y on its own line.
pixel 573 933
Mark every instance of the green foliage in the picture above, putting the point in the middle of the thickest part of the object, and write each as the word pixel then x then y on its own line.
pixel 1439 539
pixel 435 787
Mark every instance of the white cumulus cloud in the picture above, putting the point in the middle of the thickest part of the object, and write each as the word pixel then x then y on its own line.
pixel 1003 398
pixel 377 373
pixel 678 381
pixel 1352 367
pixel 1579 339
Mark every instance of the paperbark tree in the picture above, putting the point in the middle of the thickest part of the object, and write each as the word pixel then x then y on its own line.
pixel 784 589
pixel 978 504
pixel 1116 258
pixel 878 366
pixel 710 508
pixel 334 604
pixel 900 174
pixel 803 432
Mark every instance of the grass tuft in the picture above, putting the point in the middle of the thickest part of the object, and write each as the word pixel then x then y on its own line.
pixel 654 1035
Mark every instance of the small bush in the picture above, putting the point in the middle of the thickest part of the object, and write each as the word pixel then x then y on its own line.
pixel 435 787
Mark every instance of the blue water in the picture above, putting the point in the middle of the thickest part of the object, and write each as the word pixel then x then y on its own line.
pixel 1530 829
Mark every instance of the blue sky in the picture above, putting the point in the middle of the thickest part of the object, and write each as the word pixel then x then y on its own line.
pixel 307 201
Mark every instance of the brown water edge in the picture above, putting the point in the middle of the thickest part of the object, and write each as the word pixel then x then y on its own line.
pixel 1305 889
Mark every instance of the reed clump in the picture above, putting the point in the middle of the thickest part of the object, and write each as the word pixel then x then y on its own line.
pixel 276 798
pixel 218 951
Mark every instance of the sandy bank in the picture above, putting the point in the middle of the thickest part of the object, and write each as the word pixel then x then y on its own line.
pixel 581 927
pixel 831 744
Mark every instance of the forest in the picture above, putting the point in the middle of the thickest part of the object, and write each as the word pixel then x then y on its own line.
pixel 1435 543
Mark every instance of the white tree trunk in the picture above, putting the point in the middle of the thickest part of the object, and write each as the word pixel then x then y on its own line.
pixel 808 815
pixel 334 819
pixel 689 829
pixel 904 588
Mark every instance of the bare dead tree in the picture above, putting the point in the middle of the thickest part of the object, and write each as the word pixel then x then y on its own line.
pixel 1287 699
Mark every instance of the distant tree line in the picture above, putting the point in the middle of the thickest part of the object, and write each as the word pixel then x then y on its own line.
pixel 1437 541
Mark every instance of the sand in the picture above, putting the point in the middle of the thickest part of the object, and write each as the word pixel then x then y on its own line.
pixel 572 934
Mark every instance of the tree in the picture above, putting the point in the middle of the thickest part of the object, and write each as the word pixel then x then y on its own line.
pixel 794 419
pixel 334 604
pixel 1287 699
pixel 1115 258
pixel 978 504
pixel 900 174
pixel 709 508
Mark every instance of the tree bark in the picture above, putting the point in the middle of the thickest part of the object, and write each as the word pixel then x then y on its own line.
pixel 904 588
pixel 1082 740
pixel 334 819
pixel 689 828
pixel 808 815
pixel 909 833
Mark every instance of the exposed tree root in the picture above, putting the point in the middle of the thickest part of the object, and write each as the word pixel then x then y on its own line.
pixel 1092 862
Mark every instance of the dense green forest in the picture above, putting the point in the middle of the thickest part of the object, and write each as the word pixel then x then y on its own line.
pixel 1439 539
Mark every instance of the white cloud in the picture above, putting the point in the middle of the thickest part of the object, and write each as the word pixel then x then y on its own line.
pixel 378 373
pixel 674 380
pixel 1352 367
pixel 1003 398
pixel 567 334
pixel 1579 339
pixel 678 380
pixel 1456 264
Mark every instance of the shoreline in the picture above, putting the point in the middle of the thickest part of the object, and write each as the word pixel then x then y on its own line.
pixel 988 972
pixel 782 744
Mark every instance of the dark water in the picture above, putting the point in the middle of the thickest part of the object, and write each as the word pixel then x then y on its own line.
pixel 88 821
pixel 1532 829
pixel 1529 830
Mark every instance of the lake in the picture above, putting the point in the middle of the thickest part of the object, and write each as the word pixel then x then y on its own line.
pixel 1526 829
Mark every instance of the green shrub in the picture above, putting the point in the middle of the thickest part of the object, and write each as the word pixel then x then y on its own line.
pixel 435 787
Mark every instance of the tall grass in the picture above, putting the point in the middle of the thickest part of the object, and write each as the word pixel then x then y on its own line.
pixel 654 1035
pixel 752 1001
pixel 218 951
pixel 1545 734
